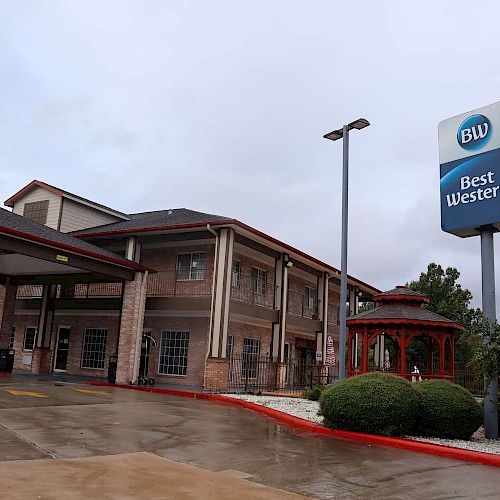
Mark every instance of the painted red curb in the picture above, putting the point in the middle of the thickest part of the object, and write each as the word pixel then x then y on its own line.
pixel 299 423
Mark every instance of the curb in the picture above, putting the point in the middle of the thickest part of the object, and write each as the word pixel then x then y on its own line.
pixel 299 423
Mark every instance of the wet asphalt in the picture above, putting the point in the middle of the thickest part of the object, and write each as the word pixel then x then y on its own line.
pixel 46 419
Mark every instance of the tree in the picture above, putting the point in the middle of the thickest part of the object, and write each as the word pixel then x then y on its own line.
pixel 449 299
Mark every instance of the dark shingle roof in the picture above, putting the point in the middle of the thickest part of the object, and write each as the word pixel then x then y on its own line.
pixel 160 218
pixel 401 290
pixel 11 224
pixel 399 311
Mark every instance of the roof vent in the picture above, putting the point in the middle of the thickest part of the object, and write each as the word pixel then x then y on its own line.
pixel 400 286
pixel 169 212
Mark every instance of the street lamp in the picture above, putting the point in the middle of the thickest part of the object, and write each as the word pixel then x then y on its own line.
pixel 343 132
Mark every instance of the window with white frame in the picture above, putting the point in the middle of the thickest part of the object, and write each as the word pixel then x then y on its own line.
pixel 259 281
pixel 94 348
pixel 191 266
pixel 29 338
pixel 251 349
pixel 12 337
pixel 174 348
pixel 236 274
pixel 310 298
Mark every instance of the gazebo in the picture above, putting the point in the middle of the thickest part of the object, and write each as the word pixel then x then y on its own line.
pixel 402 337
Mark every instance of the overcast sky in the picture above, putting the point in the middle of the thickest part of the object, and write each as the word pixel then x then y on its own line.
pixel 221 106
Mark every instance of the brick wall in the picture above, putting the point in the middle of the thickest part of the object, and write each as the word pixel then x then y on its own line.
pixel 241 330
pixel 165 259
pixel 7 306
pixel 77 324
pixel 197 351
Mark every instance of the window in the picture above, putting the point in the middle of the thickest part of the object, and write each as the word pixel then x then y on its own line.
pixel 259 280
pixel 12 337
pixel 37 211
pixel 229 346
pixel 251 348
pixel 94 348
pixel 310 298
pixel 190 266
pixel 29 338
pixel 173 353
pixel 236 274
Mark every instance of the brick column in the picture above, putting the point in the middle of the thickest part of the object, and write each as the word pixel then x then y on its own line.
pixel 7 307
pixel 131 326
pixel 216 374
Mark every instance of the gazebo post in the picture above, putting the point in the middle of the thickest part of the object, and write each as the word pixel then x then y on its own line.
pixel 349 353
pixel 364 360
pixel 403 354
pixel 441 356
pixel 431 356
pixel 452 358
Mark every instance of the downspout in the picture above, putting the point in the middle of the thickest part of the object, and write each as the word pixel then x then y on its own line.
pixel 138 341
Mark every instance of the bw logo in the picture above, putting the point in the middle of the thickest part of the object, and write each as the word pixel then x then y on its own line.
pixel 474 132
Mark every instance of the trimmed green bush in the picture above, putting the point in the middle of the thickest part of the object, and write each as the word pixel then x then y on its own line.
pixel 314 393
pixel 447 410
pixel 376 403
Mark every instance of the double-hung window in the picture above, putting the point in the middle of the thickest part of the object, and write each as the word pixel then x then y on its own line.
pixel 94 348
pixel 191 266
pixel 310 298
pixel 251 348
pixel 29 338
pixel 259 281
pixel 236 274
pixel 174 348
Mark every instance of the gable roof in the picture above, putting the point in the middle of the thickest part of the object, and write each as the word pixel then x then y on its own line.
pixel 61 192
pixel 21 227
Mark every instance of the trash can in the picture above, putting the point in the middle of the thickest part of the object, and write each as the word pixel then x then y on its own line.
pixel 113 361
pixel 7 360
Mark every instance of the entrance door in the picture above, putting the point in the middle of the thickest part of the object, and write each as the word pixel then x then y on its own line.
pixel 62 349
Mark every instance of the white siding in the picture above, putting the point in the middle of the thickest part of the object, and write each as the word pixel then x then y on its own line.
pixel 41 194
pixel 76 216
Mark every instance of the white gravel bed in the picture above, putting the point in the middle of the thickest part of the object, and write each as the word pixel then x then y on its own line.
pixel 298 407
pixel 477 442
pixel 308 410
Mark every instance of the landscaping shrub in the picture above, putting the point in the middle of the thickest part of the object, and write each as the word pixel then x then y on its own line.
pixel 314 393
pixel 447 410
pixel 374 402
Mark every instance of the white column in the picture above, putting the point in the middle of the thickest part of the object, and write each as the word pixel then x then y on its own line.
pixel 219 317
pixel 279 329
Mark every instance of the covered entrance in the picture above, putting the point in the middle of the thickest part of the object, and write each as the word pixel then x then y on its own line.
pixel 34 256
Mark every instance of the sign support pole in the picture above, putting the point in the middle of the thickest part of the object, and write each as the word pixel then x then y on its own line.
pixel 489 310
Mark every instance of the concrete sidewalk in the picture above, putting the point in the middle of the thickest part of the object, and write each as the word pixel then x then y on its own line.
pixel 132 475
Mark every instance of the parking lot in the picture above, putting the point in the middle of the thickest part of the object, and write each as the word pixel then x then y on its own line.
pixel 105 434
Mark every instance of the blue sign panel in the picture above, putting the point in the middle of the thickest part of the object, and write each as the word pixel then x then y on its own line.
pixel 469 152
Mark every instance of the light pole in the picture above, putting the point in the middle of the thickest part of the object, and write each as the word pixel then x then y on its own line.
pixel 333 136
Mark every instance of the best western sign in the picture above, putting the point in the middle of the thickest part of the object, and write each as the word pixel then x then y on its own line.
pixel 469 157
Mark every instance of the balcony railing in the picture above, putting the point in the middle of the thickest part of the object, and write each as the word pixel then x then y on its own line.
pixel 173 283
pixel 29 291
pixel 302 305
pixel 253 291
pixel 94 291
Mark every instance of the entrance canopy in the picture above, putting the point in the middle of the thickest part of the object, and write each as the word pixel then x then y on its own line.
pixel 401 336
pixel 31 253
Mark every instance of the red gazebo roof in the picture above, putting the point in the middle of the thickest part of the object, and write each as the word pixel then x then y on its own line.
pixel 401 306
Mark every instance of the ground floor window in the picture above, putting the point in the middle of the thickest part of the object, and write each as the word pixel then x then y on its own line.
pixel 94 348
pixel 173 353
pixel 29 338
pixel 251 348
